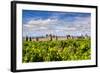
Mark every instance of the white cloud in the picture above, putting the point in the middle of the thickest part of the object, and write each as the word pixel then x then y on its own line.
pixel 54 25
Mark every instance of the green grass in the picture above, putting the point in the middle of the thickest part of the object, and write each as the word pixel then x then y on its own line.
pixel 57 50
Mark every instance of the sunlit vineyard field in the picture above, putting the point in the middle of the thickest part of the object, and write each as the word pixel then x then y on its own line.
pixel 56 50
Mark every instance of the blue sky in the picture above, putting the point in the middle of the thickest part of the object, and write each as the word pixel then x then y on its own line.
pixel 39 23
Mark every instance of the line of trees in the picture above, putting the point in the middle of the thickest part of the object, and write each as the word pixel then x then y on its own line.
pixel 50 36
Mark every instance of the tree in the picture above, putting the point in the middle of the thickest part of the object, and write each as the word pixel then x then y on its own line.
pixel 46 35
pixel 37 39
pixel 50 37
pixel 30 39
pixel 26 38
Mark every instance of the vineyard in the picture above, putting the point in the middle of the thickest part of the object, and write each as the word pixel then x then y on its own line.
pixel 56 50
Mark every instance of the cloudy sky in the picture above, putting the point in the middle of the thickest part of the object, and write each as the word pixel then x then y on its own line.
pixel 40 23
